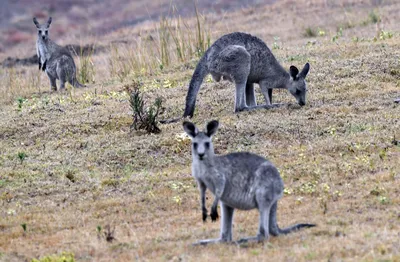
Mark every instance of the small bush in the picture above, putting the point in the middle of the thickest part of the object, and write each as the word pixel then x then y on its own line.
pixel 144 118
pixel 20 102
pixel 373 18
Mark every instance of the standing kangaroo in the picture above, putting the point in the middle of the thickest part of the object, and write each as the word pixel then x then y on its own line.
pixel 239 180
pixel 57 61
pixel 245 60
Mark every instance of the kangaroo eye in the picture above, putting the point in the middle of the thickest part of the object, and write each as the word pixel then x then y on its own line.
pixel 195 145
pixel 46 32
pixel 40 31
pixel 207 144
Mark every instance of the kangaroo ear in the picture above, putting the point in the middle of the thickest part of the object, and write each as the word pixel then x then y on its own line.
pixel 294 72
pixel 190 129
pixel 305 70
pixel 49 21
pixel 35 21
pixel 212 127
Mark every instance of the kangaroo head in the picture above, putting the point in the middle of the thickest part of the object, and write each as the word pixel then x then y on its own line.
pixel 43 30
pixel 202 147
pixel 297 84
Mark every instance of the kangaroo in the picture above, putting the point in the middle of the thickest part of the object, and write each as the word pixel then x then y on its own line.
pixel 246 60
pixel 55 60
pixel 239 180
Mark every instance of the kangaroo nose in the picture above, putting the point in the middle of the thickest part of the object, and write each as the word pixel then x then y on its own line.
pixel 301 103
pixel 201 155
pixel 43 37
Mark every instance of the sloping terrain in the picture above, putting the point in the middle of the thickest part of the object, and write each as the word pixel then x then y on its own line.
pixel 75 178
pixel 76 19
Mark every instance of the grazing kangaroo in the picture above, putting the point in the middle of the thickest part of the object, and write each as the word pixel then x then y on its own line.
pixel 239 180
pixel 246 60
pixel 57 61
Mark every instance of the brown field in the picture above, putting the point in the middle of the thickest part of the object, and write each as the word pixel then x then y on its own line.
pixel 71 167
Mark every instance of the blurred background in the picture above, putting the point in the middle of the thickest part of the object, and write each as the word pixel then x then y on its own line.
pixel 96 17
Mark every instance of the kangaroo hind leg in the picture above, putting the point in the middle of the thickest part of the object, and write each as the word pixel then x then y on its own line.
pixel 250 95
pixel 226 223
pixel 53 83
pixel 234 63
pixel 62 76
pixel 263 228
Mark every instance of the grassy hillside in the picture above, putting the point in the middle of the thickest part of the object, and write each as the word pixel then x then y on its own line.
pixel 75 178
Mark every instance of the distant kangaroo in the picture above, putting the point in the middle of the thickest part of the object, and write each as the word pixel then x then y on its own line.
pixel 57 61
pixel 245 60
pixel 239 180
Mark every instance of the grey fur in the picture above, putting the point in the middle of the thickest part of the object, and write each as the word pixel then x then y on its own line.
pixel 57 61
pixel 239 180
pixel 246 60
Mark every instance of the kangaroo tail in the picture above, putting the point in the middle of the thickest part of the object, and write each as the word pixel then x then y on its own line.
pixel 197 79
pixel 296 227
pixel 274 228
pixel 76 83
pixel 169 121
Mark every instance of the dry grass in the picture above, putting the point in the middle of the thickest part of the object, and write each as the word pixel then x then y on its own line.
pixel 83 168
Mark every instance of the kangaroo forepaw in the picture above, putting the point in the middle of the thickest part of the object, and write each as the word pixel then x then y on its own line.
pixel 214 215
pixel 204 214
pixel 204 217
pixel 44 65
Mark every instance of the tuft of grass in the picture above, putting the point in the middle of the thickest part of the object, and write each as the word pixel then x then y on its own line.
pixel 373 18
pixel 310 32
pixel 86 71
pixel 121 64
pixel 109 233
pixel 164 36
pixel 187 42
pixel 203 39
pixel 110 182
pixel 338 34
pixel 21 156
pixel 16 83
pixel 20 102
pixel 173 40
pixel 24 227
pixel 383 35
pixel 70 176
